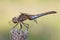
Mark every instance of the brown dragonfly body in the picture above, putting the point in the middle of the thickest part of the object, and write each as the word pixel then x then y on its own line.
pixel 25 16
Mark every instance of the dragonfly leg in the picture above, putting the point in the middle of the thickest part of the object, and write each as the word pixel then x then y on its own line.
pixel 35 21
pixel 20 26
pixel 15 26
pixel 26 25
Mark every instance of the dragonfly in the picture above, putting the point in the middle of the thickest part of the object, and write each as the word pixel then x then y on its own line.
pixel 24 16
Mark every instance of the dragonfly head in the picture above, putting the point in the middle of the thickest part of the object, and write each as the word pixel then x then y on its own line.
pixel 14 20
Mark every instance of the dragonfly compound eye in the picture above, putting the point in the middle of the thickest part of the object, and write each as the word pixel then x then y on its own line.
pixel 14 20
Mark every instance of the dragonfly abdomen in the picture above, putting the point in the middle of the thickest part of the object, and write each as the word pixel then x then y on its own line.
pixel 40 15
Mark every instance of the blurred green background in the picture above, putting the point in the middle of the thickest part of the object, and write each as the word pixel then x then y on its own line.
pixel 47 28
